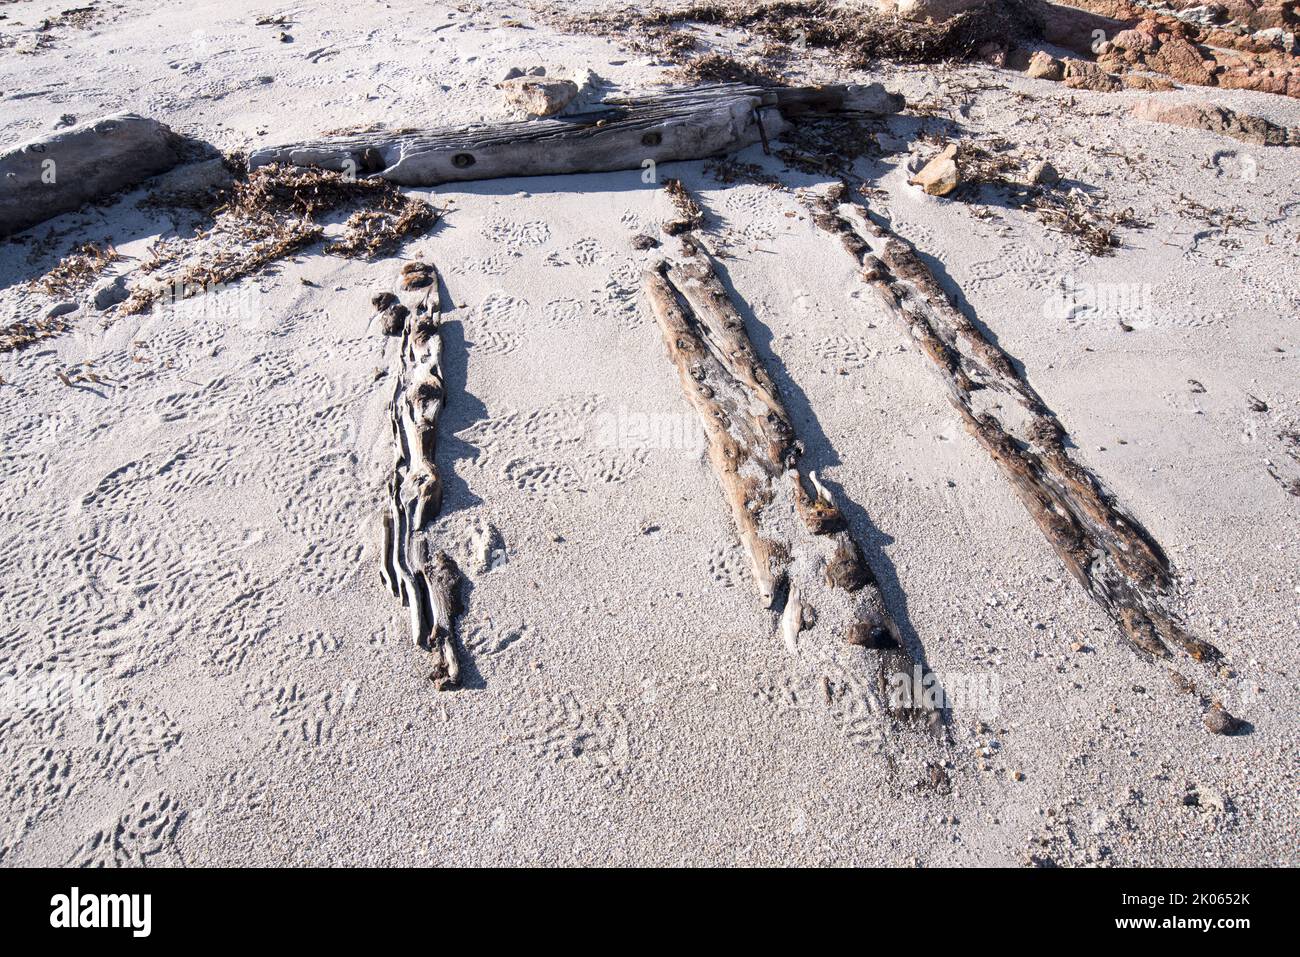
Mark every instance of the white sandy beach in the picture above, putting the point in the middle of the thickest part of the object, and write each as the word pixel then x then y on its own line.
pixel 186 537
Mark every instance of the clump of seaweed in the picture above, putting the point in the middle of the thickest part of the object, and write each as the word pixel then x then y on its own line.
pixel 828 145
pixel 375 232
pixel 77 270
pixel 991 162
pixel 854 35
pixel 1078 216
pixel 729 170
pixel 270 193
pixel 225 265
pixel 25 332
pixel 77 17
pixel 1070 211
pixel 717 67
pixel 272 213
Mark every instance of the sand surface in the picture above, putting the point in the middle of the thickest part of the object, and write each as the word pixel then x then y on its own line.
pixel 200 665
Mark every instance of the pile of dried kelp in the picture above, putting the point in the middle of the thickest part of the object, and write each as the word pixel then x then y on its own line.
pixel 275 211
pixel 856 36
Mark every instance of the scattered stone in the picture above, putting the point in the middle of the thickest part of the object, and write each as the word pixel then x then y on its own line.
pixel 1133 40
pixel 59 309
pixel 643 242
pixel 108 292
pixel 538 97
pixel 1218 720
pixel 1017 775
pixel 1150 84
pixel 1044 66
pixel 1180 60
pixel 1257 405
pixel 515 72
pixel 1082 75
pixel 1044 173
pixel 1217 119
pixel 939 177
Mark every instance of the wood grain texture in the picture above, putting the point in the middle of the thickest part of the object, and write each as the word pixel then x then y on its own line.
pixel 804 559
pixel 425 580
pixel 62 171
pixel 1105 548
pixel 622 133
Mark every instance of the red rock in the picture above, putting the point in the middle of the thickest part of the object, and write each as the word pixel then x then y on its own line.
pixel 1181 60
pixel 1140 81
pixel 1044 66
pixel 1082 75
pixel 1133 40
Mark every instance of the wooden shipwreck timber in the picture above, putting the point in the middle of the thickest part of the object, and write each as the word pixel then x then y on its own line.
pixel 1105 548
pixel 423 579
pixel 805 561
pixel 753 449
pixel 623 133
pixel 806 564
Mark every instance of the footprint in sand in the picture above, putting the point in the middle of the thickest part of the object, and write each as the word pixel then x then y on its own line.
pixel 143 834
pixel 727 564
pixel 517 235
pixel 565 730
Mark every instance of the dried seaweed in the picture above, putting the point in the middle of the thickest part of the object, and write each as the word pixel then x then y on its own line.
pixel 828 145
pixel 857 37
pixel 728 171
pixel 24 332
pixel 77 270
pixel 988 163
pixel 721 68
pixel 272 213
pixel 375 232
pixel 691 214
pixel 1072 212
pixel 75 17
pixel 1078 216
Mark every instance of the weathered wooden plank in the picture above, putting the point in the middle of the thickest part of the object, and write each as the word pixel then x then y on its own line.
pixel 1106 549
pixel 425 581
pixel 734 444
pixel 622 133
pixel 62 171
pixel 804 558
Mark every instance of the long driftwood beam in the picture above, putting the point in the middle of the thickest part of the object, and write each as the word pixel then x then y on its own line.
pixel 676 124
pixel 62 171
pixel 425 582
pixel 1119 563
pixel 800 548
